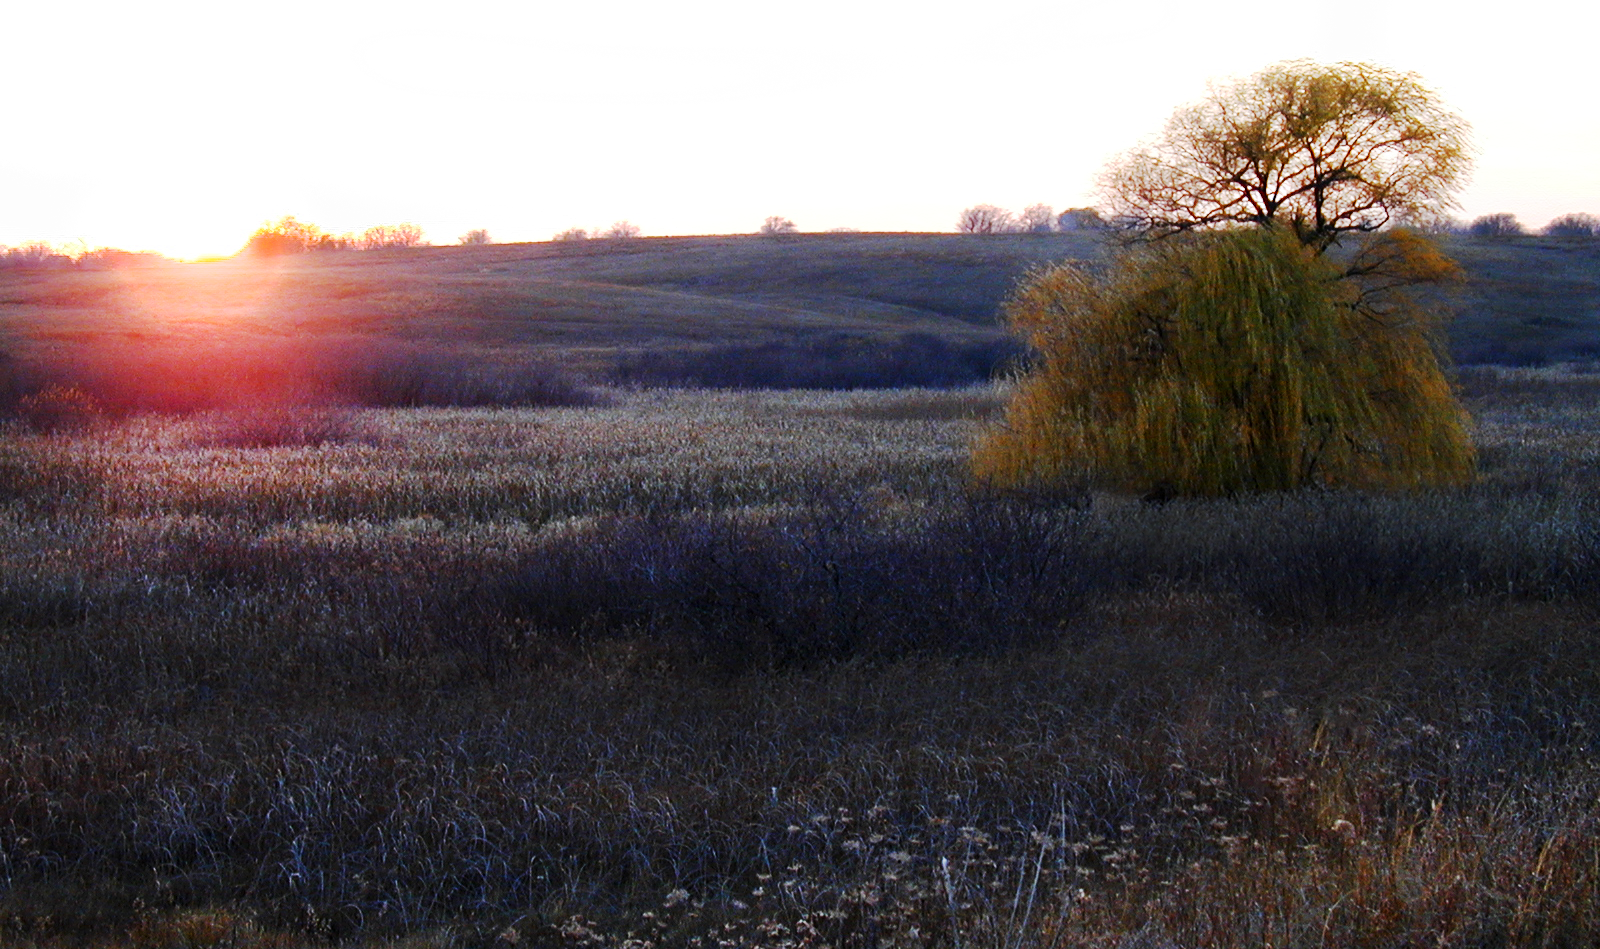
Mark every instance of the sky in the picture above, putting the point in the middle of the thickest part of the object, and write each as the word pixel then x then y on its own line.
pixel 181 127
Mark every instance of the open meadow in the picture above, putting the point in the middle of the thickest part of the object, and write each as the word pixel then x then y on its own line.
pixel 638 593
pixel 760 668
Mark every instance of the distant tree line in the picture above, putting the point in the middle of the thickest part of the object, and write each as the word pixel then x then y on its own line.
pixel 1041 219
pixel 39 255
pixel 1574 225
pixel 621 230
pixel 289 235
pixel 1505 224
pixel 1034 219
pixel 34 255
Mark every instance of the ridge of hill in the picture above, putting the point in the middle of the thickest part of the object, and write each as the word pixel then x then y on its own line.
pixel 592 303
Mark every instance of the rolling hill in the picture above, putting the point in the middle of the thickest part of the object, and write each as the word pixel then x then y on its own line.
pixel 594 305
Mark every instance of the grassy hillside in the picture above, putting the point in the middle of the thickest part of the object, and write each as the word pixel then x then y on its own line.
pixel 1527 300
pixel 931 276
pixel 592 298
pixel 737 310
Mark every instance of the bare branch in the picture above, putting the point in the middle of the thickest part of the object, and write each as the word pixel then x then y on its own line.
pixel 1324 150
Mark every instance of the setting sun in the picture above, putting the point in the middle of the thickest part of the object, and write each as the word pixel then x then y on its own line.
pixel 180 127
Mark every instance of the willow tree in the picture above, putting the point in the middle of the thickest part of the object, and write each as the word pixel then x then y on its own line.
pixel 1265 331
pixel 1324 150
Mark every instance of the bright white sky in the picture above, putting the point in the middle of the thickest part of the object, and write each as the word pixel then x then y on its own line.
pixel 182 126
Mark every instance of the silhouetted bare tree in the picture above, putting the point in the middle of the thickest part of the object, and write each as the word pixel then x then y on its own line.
pixel 390 235
pixel 1038 219
pixel 1574 225
pixel 986 219
pixel 1495 225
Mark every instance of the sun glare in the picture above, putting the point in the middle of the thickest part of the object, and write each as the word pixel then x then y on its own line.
pixel 190 234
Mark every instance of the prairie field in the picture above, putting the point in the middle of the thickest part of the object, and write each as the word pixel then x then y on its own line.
pixel 692 667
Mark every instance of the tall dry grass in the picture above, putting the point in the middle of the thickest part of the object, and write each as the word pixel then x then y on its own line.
pixel 759 669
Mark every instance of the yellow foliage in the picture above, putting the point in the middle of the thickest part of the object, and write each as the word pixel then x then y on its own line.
pixel 1321 149
pixel 1234 361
